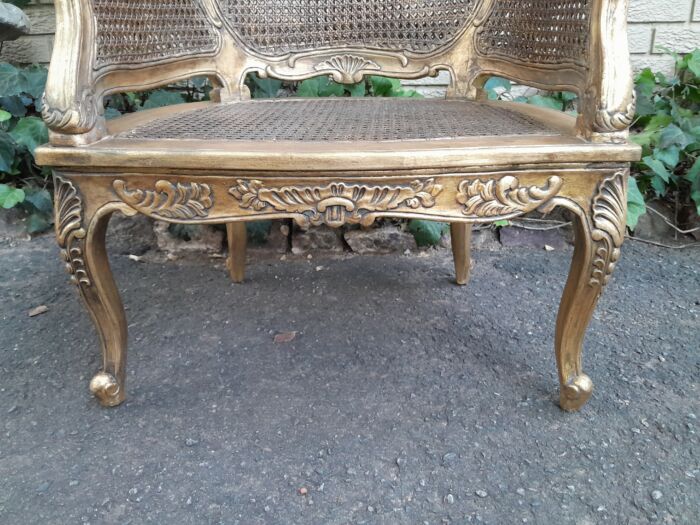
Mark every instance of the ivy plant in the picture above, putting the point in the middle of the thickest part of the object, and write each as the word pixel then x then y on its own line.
pixel 668 129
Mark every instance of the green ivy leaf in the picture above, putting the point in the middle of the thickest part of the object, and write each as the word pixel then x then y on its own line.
pixel 34 81
pixel 5 115
pixel 673 136
pixel 258 231
pixel 7 152
pixel 657 167
pixel 30 132
pixel 427 233
pixel 636 206
pixel 10 196
pixel 357 90
pixel 162 98
pixel 546 102
pixel 320 87
pixel 266 87
pixel 39 199
pixel 11 80
pixel 14 105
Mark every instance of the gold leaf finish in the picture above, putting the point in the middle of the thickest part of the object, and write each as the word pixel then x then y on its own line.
pixel 69 230
pixel 505 197
pixel 609 224
pixel 337 203
pixel 168 200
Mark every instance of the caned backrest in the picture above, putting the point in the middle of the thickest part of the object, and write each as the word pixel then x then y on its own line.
pixel 105 46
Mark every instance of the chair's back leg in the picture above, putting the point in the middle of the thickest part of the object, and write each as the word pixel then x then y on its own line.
pixel 237 245
pixel 461 234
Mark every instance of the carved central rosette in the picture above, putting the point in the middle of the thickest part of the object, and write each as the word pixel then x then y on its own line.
pixel 337 203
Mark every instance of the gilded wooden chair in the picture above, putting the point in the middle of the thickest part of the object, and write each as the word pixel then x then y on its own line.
pixel 461 160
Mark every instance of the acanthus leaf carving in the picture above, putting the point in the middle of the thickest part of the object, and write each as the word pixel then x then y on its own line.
pixel 608 228
pixel 504 197
pixel 70 232
pixel 80 117
pixel 170 201
pixel 613 120
pixel 337 203
pixel 347 69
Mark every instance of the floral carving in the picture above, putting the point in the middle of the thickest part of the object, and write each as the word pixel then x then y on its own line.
pixel 347 69
pixel 173 201
pixel 609 223
pixel 69 230
pixel 80 117
pixel 337 203
pixel 504 197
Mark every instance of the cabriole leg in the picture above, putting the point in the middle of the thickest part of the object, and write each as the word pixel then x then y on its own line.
pixel 82 240
pixel 600 233
pixel 461 234
pixel 237 245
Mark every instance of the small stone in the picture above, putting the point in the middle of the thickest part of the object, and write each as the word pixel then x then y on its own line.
pixel 520 491
pixel 370 508
pixel 656 495
pixel 191 442
pixel 303 491
pixel 449 499
pixel 12 409
pixel 73 483
pixel 380 240
pixel 449 459
pixel 43 487
pixel 133 491
pixel 482 493
pixel 285 337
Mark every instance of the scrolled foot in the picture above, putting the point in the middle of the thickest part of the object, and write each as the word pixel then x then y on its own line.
pixel 107 390
pixel 575 393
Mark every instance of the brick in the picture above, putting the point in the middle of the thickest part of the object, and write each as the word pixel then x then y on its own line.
pixel 657 63
pixel 660 10
pixel 43 19
pixel 641 36
pixel 28 50
pixel 682 39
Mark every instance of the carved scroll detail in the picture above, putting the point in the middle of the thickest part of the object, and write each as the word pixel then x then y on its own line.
pixel 69 230
pixel 80 117
pixel 608 121
pixel 168 200
pixel 609 223
pixel 347 69
pixel 504 197
pixel 336 204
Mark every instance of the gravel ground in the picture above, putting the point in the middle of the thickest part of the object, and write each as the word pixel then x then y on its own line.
pixel 403 399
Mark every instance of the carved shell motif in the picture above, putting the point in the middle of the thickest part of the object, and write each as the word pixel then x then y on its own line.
pixel 608 121
pixel 347 69
pixel 69 229
pixel 609 224
pixel 337 203
pixel 173 201
pixel 504 198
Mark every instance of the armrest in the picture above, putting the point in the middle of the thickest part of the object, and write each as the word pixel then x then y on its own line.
pixel 103 47
pixel 561 45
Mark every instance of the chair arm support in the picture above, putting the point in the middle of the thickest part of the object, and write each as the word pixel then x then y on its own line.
pixel 608 102
pixel 104 47
pixel 560 45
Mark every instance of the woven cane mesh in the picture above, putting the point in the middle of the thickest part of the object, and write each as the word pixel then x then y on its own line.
pixel 337 120
pixel 538 31
pixel 276 27
pixel 135 32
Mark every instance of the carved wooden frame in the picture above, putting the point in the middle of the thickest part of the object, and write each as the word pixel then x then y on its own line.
pixel 476 181
pixel 595 196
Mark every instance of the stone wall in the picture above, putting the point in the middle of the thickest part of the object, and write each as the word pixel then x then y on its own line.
pixel 654 24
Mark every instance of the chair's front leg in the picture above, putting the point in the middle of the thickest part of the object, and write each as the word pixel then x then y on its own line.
pixel 237 236
pixel 600 232
pixel 81 237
